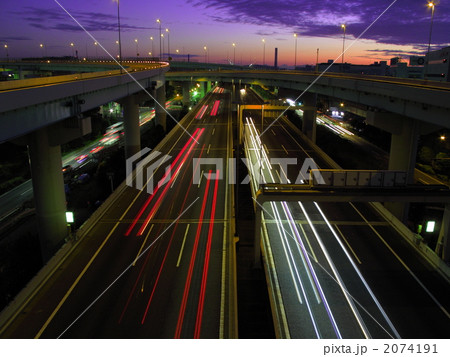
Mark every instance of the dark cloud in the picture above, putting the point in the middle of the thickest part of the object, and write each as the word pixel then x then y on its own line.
pixel 14 38
pixel 407 22
pixel 57 19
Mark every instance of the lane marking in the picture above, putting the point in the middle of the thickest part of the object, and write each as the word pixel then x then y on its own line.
pixel 187 285
pixel 58 307
pixel 224 238
pixel 284 149
pixel 213 132
pixel 209 147
pixel 24 192
pixel 143 244
pixel 201 301
pixel 200 181
pixel 273 132
pixel 346 242
pixel 182 245
pixel 309 243
pixel 63 300
pixel 403 263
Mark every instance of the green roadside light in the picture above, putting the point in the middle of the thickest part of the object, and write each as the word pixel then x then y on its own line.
pixel 69 217
pixel 430 226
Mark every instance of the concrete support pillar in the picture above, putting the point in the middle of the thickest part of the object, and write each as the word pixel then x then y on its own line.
pixel 402 157
pixel 186 94
pixel 160 110
pixel 131 125
pixel 208 86
pixel 48 188
pixel 21 73
pixel 309 115
pixel 202 89
pixel 404 148
pixel 443 243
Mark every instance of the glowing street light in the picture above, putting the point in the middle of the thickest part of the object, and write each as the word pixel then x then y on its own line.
pixel 206 52
pixel 72 45
pixel 43 49
pixel 168 43
pixel 431 5
pixel 160 34
pixel 162 37
pixel 96 49
pixel 295 52
pixel 344 27
pixel 137 47
pixel 118 27
pixel 7 52
pixel 234 54
pixel 151 39
pixel 264 51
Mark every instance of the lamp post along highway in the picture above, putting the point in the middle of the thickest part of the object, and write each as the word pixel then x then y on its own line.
pixel 431 5
pixel 151 39
pixel 162 37
pixel 317 61
pixel 43 49
pixel 137 47
pixel 206 52
pixel 344 27
pixel 118 28
pixel 234 54
pixel 264 51
pixel 168 44
pixel 295 52
pixel 7 52
pixel 160 45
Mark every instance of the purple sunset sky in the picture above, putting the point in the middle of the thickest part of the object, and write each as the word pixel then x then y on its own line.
pixel 193 24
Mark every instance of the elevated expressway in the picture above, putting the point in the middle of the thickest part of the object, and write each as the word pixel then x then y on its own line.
pixel 156 262
pixel 335 267
pixel 46 112
pixel 406 108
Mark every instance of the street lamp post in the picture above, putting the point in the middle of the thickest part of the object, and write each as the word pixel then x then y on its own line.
pixel 168 43
pixel 295 52
pixel 137 47
pixel 317 61
pixel 162 37
pixel 206 52
pixel 43 49
pixel 234 54
pixel 431 5
pixel 7 52
pixel 344 27
pixel 264 51
pixel 151 39
pixel 118 27
pixel 72 45
pixel 160 47
pixel 96 49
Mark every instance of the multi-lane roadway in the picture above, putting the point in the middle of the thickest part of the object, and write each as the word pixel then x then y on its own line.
pixel 337 270
pixel 155 265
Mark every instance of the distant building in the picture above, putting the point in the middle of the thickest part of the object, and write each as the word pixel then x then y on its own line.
pixel 402 70
pixel 437 65
pixel 374 69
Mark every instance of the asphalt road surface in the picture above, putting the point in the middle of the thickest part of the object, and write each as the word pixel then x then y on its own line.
pixel 155 265
pixel 338 269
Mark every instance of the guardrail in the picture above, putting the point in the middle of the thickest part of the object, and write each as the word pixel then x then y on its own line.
pixel 35 82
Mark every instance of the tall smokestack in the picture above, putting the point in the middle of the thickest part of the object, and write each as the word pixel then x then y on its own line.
pixel 276 59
